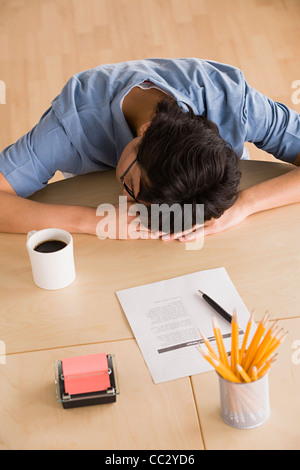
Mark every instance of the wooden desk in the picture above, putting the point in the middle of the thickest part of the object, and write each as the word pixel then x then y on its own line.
pixel 261 256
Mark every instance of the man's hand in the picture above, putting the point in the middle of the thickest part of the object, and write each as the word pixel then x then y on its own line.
pixel 231 217
pixel 276 192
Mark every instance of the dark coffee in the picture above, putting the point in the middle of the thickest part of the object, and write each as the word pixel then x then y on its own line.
pixel 50 246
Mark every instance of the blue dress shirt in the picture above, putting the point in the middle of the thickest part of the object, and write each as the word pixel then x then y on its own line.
pixel 84 130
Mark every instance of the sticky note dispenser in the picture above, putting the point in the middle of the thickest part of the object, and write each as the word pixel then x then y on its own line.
pixel 86 380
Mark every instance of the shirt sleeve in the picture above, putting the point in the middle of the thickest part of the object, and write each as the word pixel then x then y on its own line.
pixel 271 126
pixel 31 162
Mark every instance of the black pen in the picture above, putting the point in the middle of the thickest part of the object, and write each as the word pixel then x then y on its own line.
pixel 215 306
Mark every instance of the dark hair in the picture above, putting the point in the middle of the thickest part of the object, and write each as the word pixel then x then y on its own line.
pixel 184 160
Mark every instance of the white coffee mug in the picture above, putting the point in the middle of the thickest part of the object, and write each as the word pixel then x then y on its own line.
pixel 54 270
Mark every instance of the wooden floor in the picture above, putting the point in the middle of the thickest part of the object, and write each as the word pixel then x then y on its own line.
pixel 44 42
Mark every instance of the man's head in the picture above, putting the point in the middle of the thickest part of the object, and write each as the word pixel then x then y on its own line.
pixel 182 159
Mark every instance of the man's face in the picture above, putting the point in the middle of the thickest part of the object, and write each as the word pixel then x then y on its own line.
pixel 132 178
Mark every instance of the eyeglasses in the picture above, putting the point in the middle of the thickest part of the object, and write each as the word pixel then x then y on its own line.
pixel 122 178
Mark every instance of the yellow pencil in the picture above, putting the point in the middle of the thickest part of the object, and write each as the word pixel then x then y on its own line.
pixel 254 375
pixel 234 343
pixel 220 343
pixel 276 337
pixel 208 345
pixel 246 336
pixel 271 350
pixel 225 372
pixel 205 353
pixel 264 345
pixel 255 341
pixel 243 374
pixel 267 366
pixel 218 365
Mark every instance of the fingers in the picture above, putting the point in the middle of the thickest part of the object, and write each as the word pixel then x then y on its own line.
pixel 194 235
pixel 137 230
pixel 181 236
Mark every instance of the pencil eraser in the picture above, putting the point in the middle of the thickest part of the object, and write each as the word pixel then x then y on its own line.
pixel 85 374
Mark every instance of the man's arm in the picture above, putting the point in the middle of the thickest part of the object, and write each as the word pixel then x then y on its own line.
pixel 276 192
pixel 19 215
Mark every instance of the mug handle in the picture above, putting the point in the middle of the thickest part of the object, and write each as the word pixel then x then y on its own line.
pixel 30 233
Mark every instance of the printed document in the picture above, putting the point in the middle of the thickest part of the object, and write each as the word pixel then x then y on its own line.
pixel 166 318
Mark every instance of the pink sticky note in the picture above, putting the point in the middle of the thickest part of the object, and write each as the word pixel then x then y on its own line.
pixel 85 374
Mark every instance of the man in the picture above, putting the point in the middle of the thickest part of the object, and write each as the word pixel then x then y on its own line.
pixel 173 129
